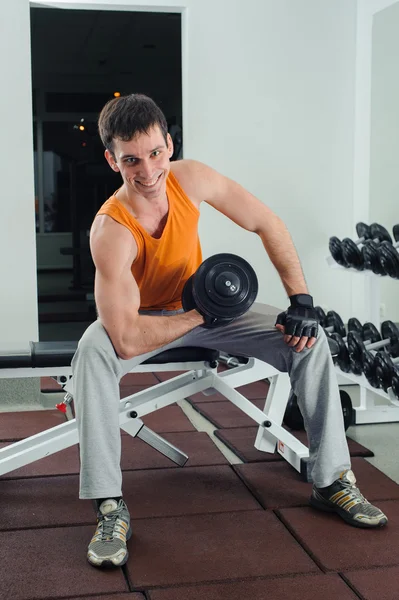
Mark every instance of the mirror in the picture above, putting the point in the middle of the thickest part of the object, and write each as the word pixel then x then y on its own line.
pixel 384 139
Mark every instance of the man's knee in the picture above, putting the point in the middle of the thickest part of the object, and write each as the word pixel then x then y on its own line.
pixel 94 342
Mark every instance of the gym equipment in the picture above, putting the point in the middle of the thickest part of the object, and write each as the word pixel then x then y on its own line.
pixel 389 257
pixel 293 416
pixel 385 369
pixel 346 252
pixel 370 237
pixel 199 375
pixel 336 330
pixel 357 346
pixel 223 288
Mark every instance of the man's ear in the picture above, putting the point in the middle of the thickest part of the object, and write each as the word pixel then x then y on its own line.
pixel 170 145
pixel 111 160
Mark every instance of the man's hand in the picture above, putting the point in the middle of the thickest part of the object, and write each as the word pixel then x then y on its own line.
pixel 299 323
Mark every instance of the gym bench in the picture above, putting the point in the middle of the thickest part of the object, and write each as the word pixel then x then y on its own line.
pixel 53 359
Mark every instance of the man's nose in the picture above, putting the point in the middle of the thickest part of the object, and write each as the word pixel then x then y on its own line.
pixel 146 170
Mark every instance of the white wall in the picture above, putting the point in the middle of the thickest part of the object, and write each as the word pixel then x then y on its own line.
pixel 268 99
pixel 18 313
pixel 384 139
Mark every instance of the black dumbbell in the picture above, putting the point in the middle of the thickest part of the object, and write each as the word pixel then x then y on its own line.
pixel 333 325
pixel 395 383
pixel 346 252
pixel 385 368
pixel 331 322
pixel 293 416
pixel 335 244
pixel 389 256
pixel 367 256
pixel 358 346
pixel 349 362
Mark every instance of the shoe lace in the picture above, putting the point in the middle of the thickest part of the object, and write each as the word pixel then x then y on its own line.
pixel 355 492
pixel 107 524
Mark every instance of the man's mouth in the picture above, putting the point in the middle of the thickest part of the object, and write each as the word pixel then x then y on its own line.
pixel 149 184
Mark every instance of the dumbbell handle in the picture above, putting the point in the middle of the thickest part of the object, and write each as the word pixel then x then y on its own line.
pixel 376 345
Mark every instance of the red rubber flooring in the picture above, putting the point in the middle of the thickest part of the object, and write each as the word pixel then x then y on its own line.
pixel 208 531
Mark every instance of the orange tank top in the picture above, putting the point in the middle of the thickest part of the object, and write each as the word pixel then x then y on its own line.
pixel 163 265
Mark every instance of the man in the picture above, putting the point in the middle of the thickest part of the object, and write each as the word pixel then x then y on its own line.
pixel 145 245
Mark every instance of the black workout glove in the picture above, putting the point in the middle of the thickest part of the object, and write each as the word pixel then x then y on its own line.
pixel 300 318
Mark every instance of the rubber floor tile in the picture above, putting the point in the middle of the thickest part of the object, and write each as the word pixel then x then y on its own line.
pixel 136 454
pixel 337 546
pixel 49 563
pixel 278 485
pixel 300 587
pixel 197 445
pixel 241 441
pixel 134 596
pixel 42 502
pixel 165 375
pixel 252 391
pixel 19 425
pixel 376 584
pixel 174 492
pixel 355 448
pixel 65 462
pixel 139 379
pixel 212 547
pixel 167 419
pixel 225 415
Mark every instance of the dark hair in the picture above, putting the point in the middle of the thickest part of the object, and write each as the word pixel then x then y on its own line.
pixel 126 116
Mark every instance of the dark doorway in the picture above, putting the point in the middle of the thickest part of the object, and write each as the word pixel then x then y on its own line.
pixel 80 60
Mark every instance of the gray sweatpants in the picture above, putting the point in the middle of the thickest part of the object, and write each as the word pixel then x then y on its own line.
pixel 97 371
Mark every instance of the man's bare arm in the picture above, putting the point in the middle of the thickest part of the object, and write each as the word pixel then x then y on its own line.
pixel 118 297
pixel 205 184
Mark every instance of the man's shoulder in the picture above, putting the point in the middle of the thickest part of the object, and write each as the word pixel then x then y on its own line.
pixel 194 177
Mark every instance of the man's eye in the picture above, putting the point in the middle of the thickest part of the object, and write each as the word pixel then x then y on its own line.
pixel 156 153
pixel 131 161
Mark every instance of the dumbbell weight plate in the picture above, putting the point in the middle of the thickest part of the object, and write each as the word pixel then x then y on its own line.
pixel 293 416
pixel 352 254
pixel 371 257
pixel 224 286
pixel 363 230
pixel 395 382
pixel 378 232
pixel 347 409
pixel 342 359
pixel 320 315
pixel 369 369
pixel 384 368
pixel 370 333
pixel 389 259
pixel 187 295
pixel 335 248
pixel 334 320
pixel 390 331
pixel 355 325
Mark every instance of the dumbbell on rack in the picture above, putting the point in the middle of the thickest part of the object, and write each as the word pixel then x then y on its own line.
pixel 360 349
pixel 334 327
pixel 385 367
pixel 389 256
pixel 348 254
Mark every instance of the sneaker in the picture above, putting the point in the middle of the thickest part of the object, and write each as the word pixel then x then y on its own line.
pixel 108 545
pixel 344 498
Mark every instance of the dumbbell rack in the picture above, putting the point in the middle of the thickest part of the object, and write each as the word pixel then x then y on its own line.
pixel 370 409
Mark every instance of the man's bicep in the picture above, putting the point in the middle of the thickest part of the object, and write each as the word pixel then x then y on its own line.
pixel 116 292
